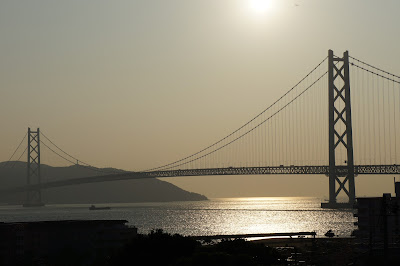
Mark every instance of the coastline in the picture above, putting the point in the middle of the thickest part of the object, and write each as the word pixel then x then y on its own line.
pixel 302 242
pixel 316 251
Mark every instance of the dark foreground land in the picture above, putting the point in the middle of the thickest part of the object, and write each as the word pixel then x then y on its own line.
pixel 159 248
pixel 331 251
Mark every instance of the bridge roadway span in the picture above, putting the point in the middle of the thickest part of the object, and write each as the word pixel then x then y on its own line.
pixel 268 170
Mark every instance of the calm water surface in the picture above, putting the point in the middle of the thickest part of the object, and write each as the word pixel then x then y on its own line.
pixel 216 216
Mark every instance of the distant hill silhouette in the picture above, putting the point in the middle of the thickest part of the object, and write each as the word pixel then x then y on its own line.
pixel 13 174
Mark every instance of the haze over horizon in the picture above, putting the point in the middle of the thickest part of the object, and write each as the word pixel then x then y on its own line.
pixel 138 84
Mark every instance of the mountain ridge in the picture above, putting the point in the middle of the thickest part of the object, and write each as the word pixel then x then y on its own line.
pixel 13 174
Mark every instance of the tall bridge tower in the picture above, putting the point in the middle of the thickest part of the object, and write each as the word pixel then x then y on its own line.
pixel 340 131
pixel 33 195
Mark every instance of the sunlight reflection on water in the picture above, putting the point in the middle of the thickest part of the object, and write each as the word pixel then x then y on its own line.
pixel 216 216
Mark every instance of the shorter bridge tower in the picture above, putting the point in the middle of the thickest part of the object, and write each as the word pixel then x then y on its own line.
pixel 33 195
pixel 340 131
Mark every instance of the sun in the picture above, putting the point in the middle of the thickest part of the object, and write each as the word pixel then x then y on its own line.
pixel 260 6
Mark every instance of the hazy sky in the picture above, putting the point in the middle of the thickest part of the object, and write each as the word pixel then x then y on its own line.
pixel 136 84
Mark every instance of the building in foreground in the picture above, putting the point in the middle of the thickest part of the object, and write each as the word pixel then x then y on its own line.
pixel 50 241
pixel 379 219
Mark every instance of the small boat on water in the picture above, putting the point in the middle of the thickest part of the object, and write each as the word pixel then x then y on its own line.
pixel 98 208
pixel 330 233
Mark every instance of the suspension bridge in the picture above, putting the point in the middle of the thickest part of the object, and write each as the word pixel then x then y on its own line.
pixel 327 124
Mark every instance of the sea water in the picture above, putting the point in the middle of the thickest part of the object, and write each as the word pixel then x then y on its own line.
pixel 217 216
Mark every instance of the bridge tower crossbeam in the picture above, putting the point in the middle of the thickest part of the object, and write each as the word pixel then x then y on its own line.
pixel 33 195
pixel 340 130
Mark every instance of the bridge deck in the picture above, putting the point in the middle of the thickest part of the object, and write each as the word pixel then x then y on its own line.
pixel 267 170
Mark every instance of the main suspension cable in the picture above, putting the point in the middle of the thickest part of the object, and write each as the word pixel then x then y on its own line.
pixel 77 161
pixel 250 130
pixel 379 75
pixel 393 75
pixel 212 145
pixel 16 151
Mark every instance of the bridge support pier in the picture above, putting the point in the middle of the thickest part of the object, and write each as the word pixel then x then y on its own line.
pixel 33 196
pixel 340 131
